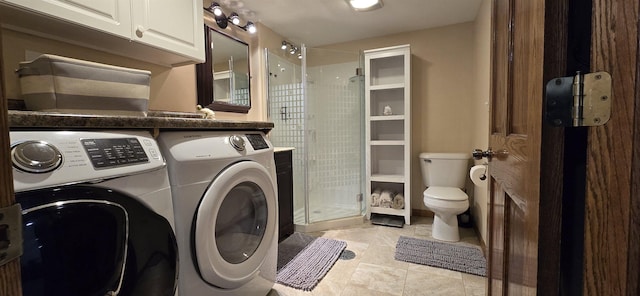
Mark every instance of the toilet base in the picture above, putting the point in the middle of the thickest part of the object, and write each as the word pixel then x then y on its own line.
pixel 445 228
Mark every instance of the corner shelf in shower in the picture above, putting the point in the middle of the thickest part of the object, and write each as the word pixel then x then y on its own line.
pixel 388 137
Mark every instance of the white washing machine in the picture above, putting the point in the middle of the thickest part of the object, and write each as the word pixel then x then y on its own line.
pixel 226 209
pixel 97 213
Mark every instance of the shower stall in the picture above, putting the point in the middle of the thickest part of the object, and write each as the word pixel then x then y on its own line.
pixel 316 103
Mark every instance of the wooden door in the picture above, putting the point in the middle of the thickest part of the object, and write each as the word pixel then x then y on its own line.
pixel 9 273
pixel 612 201
pixel 535 166
pixel 528 48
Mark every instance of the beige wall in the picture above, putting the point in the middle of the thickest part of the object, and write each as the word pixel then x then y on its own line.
pixel 442 91
pixel 480 138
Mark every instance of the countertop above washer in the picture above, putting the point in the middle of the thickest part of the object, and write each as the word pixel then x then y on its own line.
pixel 155 120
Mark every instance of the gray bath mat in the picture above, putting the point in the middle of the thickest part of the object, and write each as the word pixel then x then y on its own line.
pixel 309 264
pixel 467 259
pixel 291 246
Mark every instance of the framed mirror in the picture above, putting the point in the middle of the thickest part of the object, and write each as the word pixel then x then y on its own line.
pixel 223 79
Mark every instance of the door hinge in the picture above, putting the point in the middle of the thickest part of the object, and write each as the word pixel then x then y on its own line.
pixel 10 233
pixel 580 100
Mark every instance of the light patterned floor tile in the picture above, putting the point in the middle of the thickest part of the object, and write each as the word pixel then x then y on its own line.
pixel 434 271
pixel 383 255
pixel 419 283
pixel 375 272
pixel 379 278
pixel 353 290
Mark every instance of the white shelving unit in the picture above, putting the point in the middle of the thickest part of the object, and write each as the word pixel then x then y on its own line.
pixel 388 134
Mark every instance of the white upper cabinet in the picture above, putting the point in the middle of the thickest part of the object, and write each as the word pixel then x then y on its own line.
pixel 111 16
pixel 171 31
pixel 170 24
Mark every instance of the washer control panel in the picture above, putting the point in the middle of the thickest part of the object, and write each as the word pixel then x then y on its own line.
pixel 105 153
pixel 48 158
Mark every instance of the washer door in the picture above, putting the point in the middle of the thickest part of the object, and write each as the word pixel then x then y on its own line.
pixel 235 224
pixel 85 240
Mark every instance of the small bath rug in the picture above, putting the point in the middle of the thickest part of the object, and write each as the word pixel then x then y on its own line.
pixel 291 246
pixel 310 264
pixel 467 259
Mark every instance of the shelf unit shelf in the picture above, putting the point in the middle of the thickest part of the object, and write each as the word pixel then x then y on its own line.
pixel 386 143
pixel 387 178
pixel 387 117
pixel 386 86
pixel 387 211
pixel 388 128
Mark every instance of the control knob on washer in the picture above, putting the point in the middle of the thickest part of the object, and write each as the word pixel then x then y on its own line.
pixel 36 157
pixel 237 142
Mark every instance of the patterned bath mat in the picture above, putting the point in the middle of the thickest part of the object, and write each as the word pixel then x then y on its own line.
pixel 304 260
pixel 467 259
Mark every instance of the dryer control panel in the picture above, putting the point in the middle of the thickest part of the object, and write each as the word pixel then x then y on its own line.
pixel 257 141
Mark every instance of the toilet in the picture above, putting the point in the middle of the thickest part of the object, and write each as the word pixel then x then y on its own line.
pixel 445 174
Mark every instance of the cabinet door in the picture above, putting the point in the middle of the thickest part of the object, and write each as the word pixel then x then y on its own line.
pixel 111 16
pixel 284 171
pixel 175 25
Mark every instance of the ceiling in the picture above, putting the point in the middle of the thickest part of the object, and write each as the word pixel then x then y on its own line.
pixel 323 22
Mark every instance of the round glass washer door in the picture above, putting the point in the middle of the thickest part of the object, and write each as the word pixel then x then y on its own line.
pixel 235 224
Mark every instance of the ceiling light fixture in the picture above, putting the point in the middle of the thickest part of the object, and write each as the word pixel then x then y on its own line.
pixel 365 5
pixel 291 48
pixel 223 21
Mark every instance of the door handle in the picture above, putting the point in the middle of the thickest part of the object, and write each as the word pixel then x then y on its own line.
pixel 479 154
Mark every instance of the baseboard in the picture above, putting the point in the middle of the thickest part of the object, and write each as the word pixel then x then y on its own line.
pixel 483 246
pixel 421 213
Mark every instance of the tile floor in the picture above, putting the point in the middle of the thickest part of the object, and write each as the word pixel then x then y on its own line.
pixel 374 271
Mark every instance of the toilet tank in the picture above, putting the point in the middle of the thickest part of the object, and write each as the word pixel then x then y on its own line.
pixel 444 169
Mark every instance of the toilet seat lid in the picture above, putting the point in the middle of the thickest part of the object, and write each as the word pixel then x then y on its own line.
pixel 446 193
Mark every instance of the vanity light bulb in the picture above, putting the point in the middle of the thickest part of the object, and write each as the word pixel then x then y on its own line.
pixel 251 28
pixel 235 19
pixel 284 45
pixel 217 11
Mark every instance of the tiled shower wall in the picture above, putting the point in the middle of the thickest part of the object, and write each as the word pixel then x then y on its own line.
pixel 333 130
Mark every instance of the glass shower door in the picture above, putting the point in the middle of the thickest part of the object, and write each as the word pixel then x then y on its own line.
pixel 334 127
pixel 286 111
pixel 322 118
